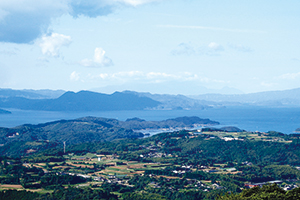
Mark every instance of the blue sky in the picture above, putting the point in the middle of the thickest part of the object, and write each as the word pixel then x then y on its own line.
pixel 158 46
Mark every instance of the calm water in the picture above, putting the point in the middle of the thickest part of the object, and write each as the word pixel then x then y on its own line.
pixel 285 120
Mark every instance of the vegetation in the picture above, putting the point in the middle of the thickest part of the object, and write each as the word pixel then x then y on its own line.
pixel 264 192
pixel 29 138
pixel 206 164
pixel 59 194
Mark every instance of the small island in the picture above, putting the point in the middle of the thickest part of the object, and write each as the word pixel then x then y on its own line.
pixel 4 111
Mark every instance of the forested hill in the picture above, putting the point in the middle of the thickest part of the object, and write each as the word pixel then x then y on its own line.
pixel 179 122
pixel 20 139
pixel 82 101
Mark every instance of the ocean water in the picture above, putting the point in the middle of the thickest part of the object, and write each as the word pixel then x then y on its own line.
pixel 285 120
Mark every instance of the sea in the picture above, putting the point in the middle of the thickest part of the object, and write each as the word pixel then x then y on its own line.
pixel 250 118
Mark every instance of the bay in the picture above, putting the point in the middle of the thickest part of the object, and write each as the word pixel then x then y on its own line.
pixel 263 119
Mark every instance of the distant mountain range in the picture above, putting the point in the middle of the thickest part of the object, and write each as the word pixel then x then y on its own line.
pixel 177 102
pixel 92 101
pixel 59 100
pixel 82 101
pixel 31 94
pixel 270 98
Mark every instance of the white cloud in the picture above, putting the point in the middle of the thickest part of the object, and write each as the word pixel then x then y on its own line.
pixel 290 76
pixel 189 76
pixel 215 46
pixel 136 2
pixel 92 8
pixel 103 76
pixel 99 56
pixel 130 74
pixel 50 45
pixel 160 75
pixel 211 49
pixel 24 21
pixel 152 77
pixel 99 60
pixel 75 76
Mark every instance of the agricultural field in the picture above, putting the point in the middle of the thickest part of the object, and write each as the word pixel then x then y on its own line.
pixel 90 164
pixel 256 136
pixel 187 163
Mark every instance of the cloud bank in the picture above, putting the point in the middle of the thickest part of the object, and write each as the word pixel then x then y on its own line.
pixel 99 60
pixel 151 77
pixel 290 76
pixel 74 76
pixel 50 45
pixel 24 21
pixel 188 49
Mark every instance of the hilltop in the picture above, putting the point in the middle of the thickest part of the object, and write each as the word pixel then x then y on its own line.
pixel 58 100
pixel 81 101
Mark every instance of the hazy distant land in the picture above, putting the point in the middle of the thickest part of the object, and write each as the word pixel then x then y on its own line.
pixel 53 100
pixel 4 111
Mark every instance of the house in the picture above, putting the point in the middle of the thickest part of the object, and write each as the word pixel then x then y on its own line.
pixel 83 176
pixel 231 169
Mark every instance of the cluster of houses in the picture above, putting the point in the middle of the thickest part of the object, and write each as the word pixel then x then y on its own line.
pixel 247 163
pixel 290 187
pixel 228 170
pixel 155 155
pixel 278 182
pixel 193 183
pixel 231 138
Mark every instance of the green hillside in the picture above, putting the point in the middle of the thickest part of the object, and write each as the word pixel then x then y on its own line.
pixel 30 138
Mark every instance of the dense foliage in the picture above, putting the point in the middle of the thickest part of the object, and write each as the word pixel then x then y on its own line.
pixel 60 194
pixel 266 192
pixel 28 138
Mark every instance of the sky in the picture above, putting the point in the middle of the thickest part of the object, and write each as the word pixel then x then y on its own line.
pixel 184 47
